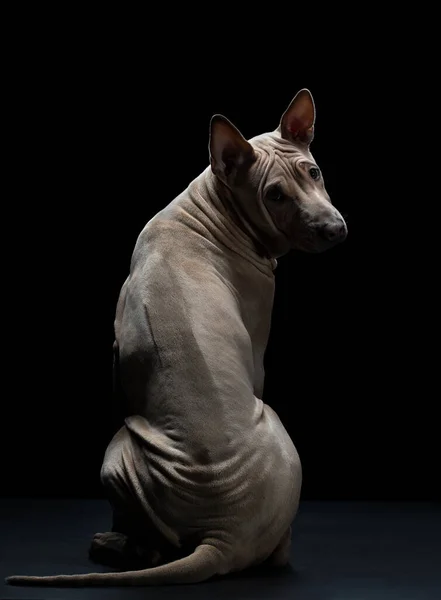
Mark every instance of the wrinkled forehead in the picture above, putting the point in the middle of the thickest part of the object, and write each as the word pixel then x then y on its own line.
pixel 277 158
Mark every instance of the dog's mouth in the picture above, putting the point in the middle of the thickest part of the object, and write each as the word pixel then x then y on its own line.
pixel 318 237
pixel 307 245
pixel 304 234
pixel 304 238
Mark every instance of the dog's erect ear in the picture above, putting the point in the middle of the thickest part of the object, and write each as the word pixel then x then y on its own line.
pixel 297 122
pixel 230 153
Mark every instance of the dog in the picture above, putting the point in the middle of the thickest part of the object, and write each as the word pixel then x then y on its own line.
pixel 203 478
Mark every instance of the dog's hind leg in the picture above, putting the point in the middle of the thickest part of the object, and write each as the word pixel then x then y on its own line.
pixel 281 555
pixel 133 543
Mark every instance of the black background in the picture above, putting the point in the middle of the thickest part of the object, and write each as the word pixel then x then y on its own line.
pixel 109 127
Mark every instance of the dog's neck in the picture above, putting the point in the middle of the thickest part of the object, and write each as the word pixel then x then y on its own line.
pixel 223 199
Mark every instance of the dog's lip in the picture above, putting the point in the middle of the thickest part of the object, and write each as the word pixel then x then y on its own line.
pixel 306 245
pixel 304 241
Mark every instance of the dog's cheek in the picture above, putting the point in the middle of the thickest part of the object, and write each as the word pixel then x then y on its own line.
pixel 284 217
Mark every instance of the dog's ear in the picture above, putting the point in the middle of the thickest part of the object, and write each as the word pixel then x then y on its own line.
pixel 297 122
pixel 230 153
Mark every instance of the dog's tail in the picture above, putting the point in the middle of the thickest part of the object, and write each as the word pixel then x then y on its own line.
pixel 204 563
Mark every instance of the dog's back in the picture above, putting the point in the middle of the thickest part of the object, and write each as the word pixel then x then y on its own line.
pixel 192 325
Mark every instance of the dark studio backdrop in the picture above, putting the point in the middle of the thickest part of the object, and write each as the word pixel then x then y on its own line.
pixel 113 137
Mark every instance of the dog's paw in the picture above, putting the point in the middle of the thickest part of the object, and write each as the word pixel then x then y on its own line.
pixel 117 550
pixel 109 548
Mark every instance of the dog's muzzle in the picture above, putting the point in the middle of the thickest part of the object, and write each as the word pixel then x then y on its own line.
pixel 335 232
pixel 318 237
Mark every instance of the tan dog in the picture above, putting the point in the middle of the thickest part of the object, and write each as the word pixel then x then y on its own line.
pixel 202 465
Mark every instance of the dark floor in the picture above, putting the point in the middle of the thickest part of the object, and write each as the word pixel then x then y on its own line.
pixel 341 551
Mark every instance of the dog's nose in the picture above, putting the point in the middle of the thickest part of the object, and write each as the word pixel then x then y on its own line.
pixel 333 232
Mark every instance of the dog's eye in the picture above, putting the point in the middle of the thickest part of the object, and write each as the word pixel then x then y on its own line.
pixel 315 173
pixel 274 194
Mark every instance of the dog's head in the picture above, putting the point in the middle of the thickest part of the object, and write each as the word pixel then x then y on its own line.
pixel 274 184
